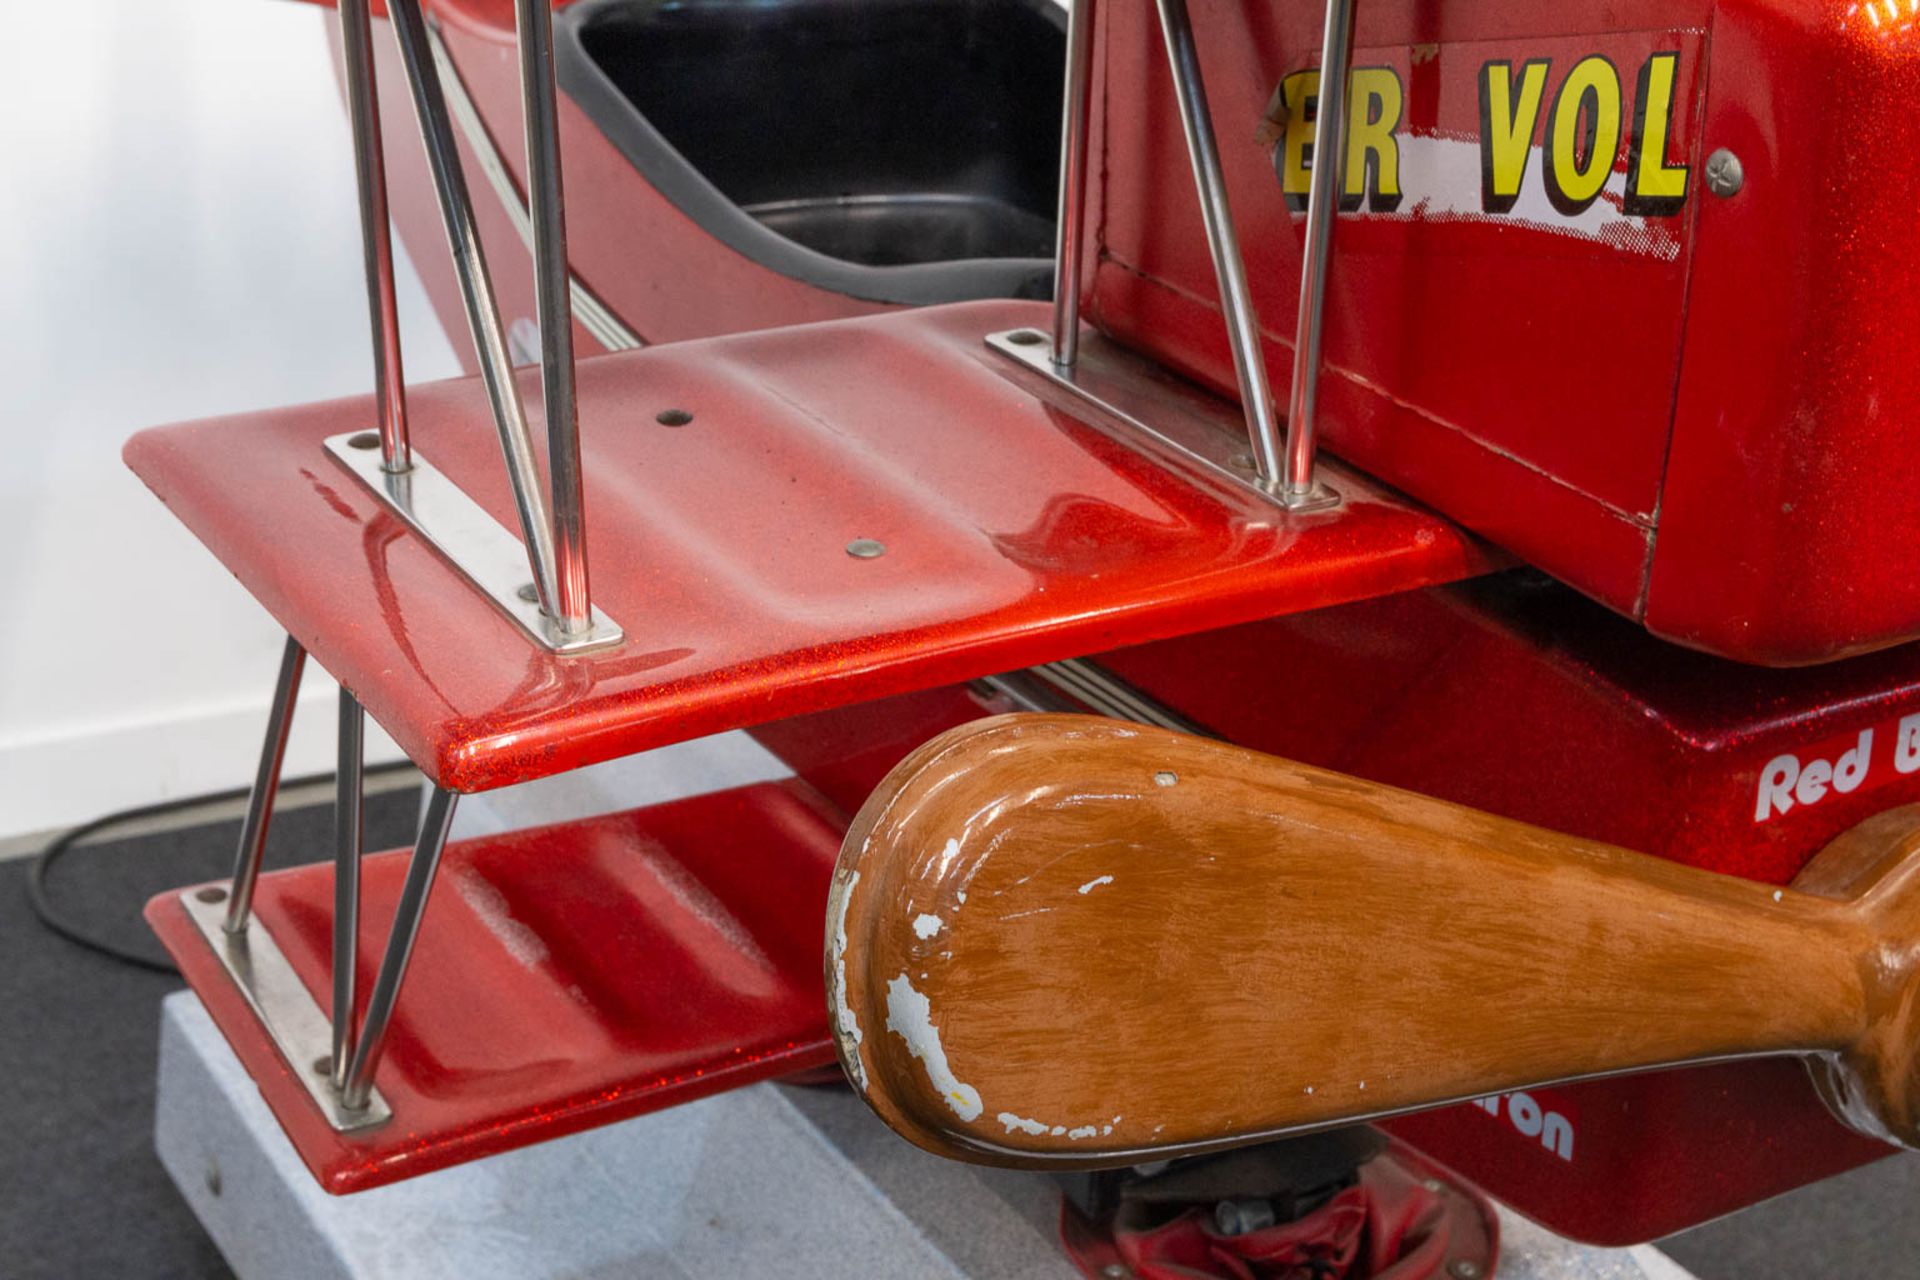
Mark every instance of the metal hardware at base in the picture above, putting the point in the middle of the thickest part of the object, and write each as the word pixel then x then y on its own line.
pixel 302 1034
pixel 1076 684
pixel 477 298
pixel 1074 114
pixel 1223 245
pixel 349 832
pixel 1310 325
pixel 594 315
pixel 435 821
pixel 476 544
pixel 266 786
pixel 1181 423
pixel 1318 498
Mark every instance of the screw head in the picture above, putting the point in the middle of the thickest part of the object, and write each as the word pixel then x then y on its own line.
pixel 528 593
pixel 1465 1269
pixel 1242 1217
pixel 1725 175
pixel 1165 778
pixel 866 548
pixel 213 1177
pixel 1027 337
pixel 364 440
pixel 673 417
pixel 212 893
pixel 1115 1271
pixel 323 1066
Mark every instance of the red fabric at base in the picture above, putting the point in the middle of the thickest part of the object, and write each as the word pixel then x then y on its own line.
pixel 1393 1225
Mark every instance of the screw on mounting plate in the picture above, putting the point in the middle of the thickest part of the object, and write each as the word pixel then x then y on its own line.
pixel 529 593
pixel 866 548
pixel 1027 337
pixel 1465 1269
pixel 212 893
pixel 364 440
pixel 213 1176
pixel 673 417
pixel 1115 1271
pixel 1239 1217
pixel 1725 175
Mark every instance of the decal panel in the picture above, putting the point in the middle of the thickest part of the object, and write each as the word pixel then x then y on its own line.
pixel 1511 261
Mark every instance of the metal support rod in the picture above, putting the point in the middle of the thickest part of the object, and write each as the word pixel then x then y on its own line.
pixel 476 292
pixel 1074 114
pixel 1323 187
pixel 552 280
pixel 370 174
pixel 372 1039
pixel 266 784
pixel 348 829
pixel 1243 323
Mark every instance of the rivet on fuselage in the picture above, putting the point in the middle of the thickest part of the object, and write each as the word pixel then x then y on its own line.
pixel 1725 176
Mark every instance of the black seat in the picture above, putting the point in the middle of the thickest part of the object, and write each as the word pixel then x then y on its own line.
pixel 892 150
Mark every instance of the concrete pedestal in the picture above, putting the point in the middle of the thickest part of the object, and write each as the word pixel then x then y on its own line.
pixel 770 1181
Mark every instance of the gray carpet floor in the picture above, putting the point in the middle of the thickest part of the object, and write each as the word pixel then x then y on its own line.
pixel 1862 1224
pixel 82 1194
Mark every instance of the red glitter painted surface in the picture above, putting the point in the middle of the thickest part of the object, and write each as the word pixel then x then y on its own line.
pixel 565 977
pixel 1516 370
pixel 1015 534
pixel 1517 696
pixel 1704 419
pixel 1789 521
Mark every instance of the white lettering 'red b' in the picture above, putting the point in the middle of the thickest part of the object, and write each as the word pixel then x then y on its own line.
pixel 1906 751
pixel 1786 781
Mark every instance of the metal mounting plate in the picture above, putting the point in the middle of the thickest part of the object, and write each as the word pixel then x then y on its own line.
pixel 260 971
pixel 1174 416
pixel 468 538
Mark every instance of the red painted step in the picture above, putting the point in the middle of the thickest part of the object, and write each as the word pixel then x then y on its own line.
pixel 565 977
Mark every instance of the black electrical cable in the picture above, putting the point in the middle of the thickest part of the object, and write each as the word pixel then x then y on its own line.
pixel 50 916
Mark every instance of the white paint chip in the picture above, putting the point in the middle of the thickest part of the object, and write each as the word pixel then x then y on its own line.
pixel 846 1024
pixel 1040 1128
pixel 1095 883
pixel 910 1016
pixel 925 926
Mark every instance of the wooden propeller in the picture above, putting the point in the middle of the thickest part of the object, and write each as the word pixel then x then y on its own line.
pixel 1060 940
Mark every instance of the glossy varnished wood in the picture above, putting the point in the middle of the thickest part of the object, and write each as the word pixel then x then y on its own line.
pixel 1066 940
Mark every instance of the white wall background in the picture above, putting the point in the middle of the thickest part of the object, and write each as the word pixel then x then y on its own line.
pixel 178 239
